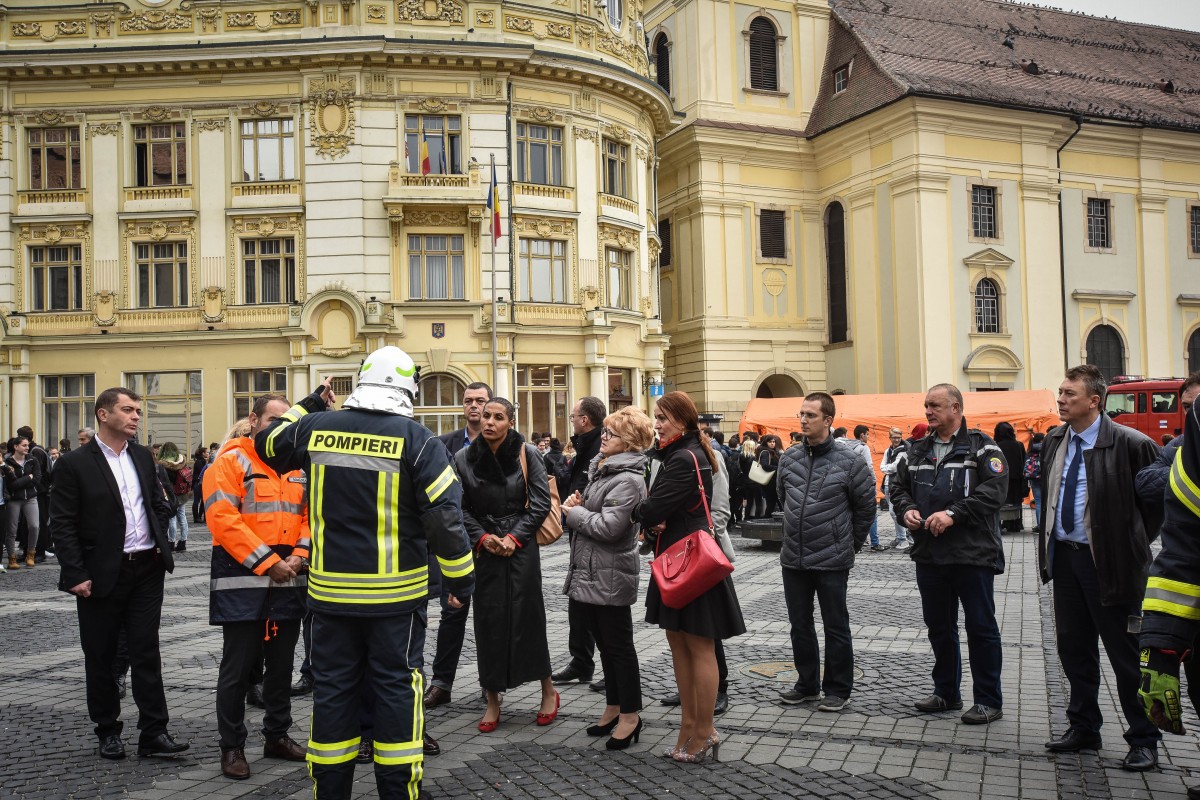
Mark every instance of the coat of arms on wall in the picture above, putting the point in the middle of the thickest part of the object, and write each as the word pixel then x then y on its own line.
pixel 439 330
pixel 331 104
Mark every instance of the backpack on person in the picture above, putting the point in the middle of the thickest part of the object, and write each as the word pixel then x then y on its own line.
pixel 1033 466
pixel 181 483
pixel 733 466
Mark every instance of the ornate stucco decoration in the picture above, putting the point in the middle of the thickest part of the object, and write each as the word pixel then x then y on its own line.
pixel 519 24
pixel 485 19
pixel 157 113
pixel 250 19
pixel 216 124
pixel 553 30
pixel 152 21
pixel 433 105
pixel 208 19
pixel 70 233
pixel 265 108
pixel 214 306
pixel 586 133
pixel 105 312
pixel 102 23
pixel 431 10
pixel 537 114
pixel 51 117
pixel 618 132
pixel 376 13
pixel 622 237
pixel 51 31
pixel 331 104
pixel 157 230
pixel 443 219
pixel 265 226
pixel 95 129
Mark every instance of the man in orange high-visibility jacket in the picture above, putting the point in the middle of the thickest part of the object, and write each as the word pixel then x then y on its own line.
pixel 261 541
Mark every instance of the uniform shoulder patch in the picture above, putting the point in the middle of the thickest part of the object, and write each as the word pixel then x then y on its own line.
pixel 996 465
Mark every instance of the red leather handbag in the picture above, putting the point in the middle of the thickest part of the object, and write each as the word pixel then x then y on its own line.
pixel 694 564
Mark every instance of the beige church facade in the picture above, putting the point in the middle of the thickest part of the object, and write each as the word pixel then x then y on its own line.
pixel 871 197
pixel 206 201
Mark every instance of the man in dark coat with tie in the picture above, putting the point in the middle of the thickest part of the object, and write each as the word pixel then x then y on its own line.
pixel 1095 545
pixel 108 520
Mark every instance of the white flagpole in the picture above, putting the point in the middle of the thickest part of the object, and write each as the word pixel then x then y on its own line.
pixel 495 198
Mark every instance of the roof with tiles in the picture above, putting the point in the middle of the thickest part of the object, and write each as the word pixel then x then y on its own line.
pixel 1010 54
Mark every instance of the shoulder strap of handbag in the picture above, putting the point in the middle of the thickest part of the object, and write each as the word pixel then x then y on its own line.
pixel 703 496
pixel 525 472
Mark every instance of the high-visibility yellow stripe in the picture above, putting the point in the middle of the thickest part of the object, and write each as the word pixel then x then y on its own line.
pixel 349 588
pixel 441 484
pixel 394 479
pixel 332 753
pixel 1173 609
pixel 292 415
pixel 458 567
pixel 353 578
pixel 418 768
pixel 381 523
pixel 317 526
pixel 1177 587
pixel 1182 485
pixel 369 598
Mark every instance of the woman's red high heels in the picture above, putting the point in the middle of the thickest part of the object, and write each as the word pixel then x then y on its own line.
pixel 546 719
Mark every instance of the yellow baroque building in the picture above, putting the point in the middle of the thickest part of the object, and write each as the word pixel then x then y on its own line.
pixel 207 200
pixel 879 195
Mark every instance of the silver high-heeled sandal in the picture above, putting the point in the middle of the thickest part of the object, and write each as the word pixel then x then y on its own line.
pixel 671 752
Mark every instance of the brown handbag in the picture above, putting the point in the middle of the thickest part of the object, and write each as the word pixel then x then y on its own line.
pixel 552 527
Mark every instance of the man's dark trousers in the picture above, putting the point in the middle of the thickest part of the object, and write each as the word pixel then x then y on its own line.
pixel 452 630
pixel 387 651
pixel 135 603
pixel 829 587
pixel 943 587
pixel 1079 620
pixel 244 649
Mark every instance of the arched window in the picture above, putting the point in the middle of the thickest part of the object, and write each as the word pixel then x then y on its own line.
pixel 615 11
pixel 662 60
pixel 764 60
pixel 835 258
pixel 987 306
pixel 439 403
pixel 1194 351
pixel 1106 351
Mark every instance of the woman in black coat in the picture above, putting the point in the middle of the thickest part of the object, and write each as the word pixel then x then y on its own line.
pixel 502 511
pixel 674 509
pixel 769 451
pixel 1014 453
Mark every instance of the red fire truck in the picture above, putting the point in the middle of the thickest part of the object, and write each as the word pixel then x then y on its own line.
pixel 1149 405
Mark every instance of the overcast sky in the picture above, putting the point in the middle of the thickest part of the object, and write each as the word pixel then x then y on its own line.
pixel 1171 13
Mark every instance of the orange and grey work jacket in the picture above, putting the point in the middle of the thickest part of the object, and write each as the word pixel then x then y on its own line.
pixel 257 517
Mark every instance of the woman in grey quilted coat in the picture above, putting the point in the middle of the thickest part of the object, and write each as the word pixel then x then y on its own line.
pixel 602 580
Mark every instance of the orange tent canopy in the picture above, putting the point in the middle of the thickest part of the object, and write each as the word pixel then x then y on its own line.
pixel 1029 412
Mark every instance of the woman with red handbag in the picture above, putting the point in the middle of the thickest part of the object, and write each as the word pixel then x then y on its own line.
pixel 675 509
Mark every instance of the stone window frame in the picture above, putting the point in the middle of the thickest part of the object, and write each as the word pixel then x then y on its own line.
pixel 1112 222
pixel 788 232
pixel 1191 208
pixel 999 189
pixel 782 75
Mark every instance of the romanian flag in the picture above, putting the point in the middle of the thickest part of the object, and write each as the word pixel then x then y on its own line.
pixel 493 205
pixel 423 155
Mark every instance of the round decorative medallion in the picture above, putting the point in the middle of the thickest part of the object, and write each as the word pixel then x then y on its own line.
pixel 266 226
pixel 774 280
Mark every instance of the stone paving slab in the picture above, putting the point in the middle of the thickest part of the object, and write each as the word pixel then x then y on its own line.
pixel 878 748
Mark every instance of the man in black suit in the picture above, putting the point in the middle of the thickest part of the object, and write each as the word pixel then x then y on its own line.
pixel 453 627
pixel 109 520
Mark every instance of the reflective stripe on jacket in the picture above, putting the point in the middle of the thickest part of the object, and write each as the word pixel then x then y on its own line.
pixel 257 517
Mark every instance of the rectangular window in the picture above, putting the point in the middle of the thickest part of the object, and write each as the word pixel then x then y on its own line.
pixel 160 154
pixel 983 212
pixel 442 135
pixel 772 233
pixel 620 277
pixel 162 274
pixel 54 158
pixel 664 234
pixel 1194 229
pixel 620 388
pixel 436 269
pixel 268 150
pixel 542 398
pixel 616 168
pixel 268 271
pixel 67 403
pixel 250 384
pixel 841 77
pixel 539 154
pixel 543 277
pixel 172 407
pixel 57 277
pixel 1099 226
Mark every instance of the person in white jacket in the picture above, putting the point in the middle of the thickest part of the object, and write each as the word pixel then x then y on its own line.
pixel 893 457
pixel 859 445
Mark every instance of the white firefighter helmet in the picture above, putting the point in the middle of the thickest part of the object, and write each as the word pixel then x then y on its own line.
pixel 387 382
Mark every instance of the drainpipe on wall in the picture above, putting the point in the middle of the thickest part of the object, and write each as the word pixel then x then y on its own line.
pixel 1062 243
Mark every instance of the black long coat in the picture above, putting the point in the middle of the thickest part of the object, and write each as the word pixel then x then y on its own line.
pixel 510 614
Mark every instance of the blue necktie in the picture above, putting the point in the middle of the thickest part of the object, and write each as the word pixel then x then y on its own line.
pixel 1072 482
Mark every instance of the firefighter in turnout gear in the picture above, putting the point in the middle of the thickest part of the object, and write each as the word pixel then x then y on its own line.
pixel 259 526
pixel 382 494
pixel 1171 608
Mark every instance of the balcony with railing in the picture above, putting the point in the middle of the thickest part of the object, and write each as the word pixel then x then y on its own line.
pixel 410 190
pixel 51 202
pixel 612 201
pixel 267 194
pixel 158 198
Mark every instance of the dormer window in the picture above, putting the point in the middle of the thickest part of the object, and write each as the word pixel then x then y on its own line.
pixel 841 78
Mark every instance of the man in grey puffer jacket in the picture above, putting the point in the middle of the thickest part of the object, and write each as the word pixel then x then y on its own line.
pixel 827 494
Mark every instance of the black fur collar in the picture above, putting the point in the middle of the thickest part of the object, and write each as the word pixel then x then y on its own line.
pixel 491 466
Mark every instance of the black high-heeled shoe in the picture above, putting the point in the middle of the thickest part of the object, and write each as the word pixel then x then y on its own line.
pixel 614 743
pixel 603 730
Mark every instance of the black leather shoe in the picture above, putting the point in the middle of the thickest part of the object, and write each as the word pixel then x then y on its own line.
pixel 1193 793
pixel 366 751
pixel 670 700
pixel 254 696
pixel 979 714
pixel 722 703
pixel 598 686
pixel 934 703
pixel 1140 759
pixel 431 746
pixel 161 745
pixel 1073 741
pixel 436 696
pixel 571 674
pixel 112 748
pixel 302 686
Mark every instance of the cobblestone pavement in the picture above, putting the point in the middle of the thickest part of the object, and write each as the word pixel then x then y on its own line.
pixel 879 748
